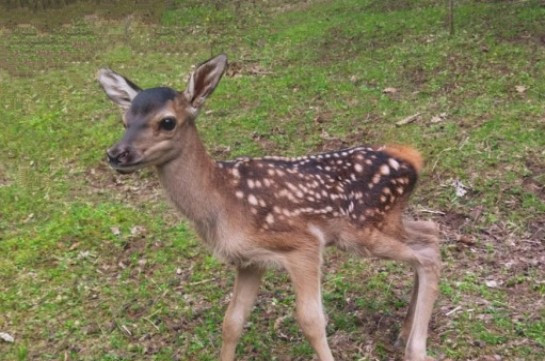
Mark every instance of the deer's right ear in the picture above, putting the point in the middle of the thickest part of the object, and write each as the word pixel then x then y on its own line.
pixel 118 88
pixel 204 80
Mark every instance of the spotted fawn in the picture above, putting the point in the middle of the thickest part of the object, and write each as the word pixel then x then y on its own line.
pixel 279 211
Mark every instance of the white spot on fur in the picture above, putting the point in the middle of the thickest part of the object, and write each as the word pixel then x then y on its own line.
pixel 252 199
pixel 358 168
pixel 384 169
pixel 393 163
pixel 239 194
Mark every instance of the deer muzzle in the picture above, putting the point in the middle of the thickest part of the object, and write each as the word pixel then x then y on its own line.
pixel 123 158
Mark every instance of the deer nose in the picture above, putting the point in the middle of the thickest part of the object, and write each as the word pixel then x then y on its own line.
pixel 118 155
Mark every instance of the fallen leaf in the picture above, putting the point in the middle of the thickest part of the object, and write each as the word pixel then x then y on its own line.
pixel 520 88
pixel 6 337
pixel 137 230
pixel 115 230
pixel 438 118
pixel 460 188
pixel 491 283
pixel 389 90
pixel 83 254
pixel 408 119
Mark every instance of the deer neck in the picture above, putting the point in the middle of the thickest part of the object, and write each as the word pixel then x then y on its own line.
pixel 189 180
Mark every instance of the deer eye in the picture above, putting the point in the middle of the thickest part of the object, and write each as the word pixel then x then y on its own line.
pixel 167 123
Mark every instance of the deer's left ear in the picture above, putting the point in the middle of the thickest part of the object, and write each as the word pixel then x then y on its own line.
pixel 118 88
pixel 204 80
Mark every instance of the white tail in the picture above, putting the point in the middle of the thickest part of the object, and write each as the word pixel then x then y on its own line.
pixel 255 212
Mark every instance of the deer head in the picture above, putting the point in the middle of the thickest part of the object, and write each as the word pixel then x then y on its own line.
pixel 157 120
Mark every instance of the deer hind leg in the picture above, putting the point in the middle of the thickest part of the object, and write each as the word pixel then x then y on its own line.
pixel 422 238
pixel 244 295
pixel 415 230
pixel 304 271
pixel 401 341
pixel 422 253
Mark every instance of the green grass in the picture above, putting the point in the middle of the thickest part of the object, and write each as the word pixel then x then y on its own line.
pixel 97 266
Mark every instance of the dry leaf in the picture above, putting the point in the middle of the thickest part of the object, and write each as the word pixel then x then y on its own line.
pixel 6 337
pixel 115 230
pixel 460 188
pixel 389 90
pixel 409 119
pixel 137 230
pixel 438 118
pixel 491 283
pixel 520 88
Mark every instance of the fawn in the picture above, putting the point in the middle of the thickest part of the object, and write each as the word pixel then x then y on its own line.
pixel 258 212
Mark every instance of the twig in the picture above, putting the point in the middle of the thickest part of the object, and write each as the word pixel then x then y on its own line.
pixel 196 283
pixel 409 119
pixel 455 309
pixel 426 210
pixel 530 241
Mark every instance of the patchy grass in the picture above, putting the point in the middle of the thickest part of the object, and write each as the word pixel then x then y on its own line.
pixel 96 266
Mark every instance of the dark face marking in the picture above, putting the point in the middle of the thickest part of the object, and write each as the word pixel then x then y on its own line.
pixel 151 100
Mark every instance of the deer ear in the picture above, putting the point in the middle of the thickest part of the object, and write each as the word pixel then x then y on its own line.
pixel 204 80
pixel 118 88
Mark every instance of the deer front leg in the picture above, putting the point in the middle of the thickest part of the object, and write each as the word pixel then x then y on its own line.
pixel 244 294
pixel 304 271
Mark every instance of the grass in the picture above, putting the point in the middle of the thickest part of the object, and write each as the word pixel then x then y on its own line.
pixel 97 266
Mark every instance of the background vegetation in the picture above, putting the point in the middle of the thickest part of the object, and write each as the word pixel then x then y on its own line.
pixel 96 266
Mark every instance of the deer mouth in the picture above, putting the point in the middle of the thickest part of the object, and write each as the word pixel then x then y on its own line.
pixel 127 168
